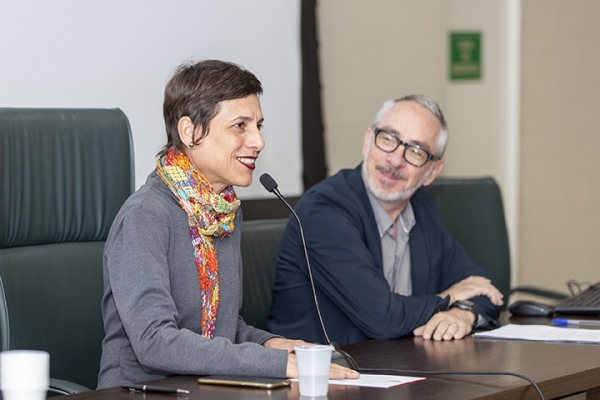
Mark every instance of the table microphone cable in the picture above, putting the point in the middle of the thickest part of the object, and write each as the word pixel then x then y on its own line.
pixel 413 372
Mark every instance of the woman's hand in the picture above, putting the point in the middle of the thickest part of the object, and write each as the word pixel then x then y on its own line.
pixel 284 344
pixel 335 371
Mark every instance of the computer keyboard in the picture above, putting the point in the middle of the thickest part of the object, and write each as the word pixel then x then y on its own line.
pixel 586 303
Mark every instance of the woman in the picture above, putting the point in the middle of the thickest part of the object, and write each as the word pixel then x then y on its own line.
pixel 172 267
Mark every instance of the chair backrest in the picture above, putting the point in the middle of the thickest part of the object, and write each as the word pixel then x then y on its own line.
pixel 260 247
pixel 472 211
pixel 65 173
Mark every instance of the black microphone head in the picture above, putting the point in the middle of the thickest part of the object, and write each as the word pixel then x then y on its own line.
pixel 268 182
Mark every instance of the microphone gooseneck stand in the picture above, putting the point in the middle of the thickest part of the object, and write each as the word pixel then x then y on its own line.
pixel 338 356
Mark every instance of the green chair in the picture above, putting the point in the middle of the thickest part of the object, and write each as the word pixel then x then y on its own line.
pixel 473 212
pixel 65 173
pixel 260 247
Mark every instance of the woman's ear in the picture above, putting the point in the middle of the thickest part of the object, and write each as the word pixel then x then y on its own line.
pixel 185 128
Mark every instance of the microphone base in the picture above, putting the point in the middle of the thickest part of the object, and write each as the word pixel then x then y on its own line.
pixel 342 358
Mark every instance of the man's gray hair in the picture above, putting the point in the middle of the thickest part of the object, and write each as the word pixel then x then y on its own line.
pixel 429 104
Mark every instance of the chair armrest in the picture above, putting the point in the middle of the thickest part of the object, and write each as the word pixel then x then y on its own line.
pixel 550 294
pixel 60 386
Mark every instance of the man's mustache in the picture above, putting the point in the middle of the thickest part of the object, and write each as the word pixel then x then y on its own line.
pixel 394 172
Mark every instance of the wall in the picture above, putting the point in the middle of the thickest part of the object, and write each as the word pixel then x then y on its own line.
pixel 560 143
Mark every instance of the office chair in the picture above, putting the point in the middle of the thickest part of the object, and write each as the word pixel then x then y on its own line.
pixel 260 247
pixel 473 212
pixel 65 173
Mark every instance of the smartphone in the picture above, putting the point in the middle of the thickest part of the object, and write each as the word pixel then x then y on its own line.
pixel 245 381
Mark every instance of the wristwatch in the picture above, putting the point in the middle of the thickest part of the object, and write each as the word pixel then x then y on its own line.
pixel 467 305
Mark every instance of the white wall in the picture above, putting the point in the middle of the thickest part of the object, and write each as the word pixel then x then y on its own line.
pixel 115 53
pixel 560 141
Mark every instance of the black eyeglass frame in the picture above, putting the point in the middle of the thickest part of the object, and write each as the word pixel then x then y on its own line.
pixel 430 157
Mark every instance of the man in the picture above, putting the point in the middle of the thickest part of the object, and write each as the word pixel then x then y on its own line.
pixel 384 266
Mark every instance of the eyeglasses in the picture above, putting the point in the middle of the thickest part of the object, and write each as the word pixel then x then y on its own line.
pixel 413 154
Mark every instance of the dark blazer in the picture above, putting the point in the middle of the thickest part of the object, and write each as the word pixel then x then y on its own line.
pixel 345 254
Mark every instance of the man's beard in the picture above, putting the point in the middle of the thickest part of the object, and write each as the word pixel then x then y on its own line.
pixel 380 193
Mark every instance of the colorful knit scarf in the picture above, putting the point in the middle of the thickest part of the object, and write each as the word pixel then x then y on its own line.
pixel 209 215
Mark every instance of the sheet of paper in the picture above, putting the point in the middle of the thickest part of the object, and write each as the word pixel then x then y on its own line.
pixel 542 333
pixel 378 381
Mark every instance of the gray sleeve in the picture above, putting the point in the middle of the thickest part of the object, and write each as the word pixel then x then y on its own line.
pixel 247 333
pixel 138 274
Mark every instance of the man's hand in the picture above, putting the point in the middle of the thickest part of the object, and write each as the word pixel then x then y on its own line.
pixel 447 325
pixel 335 371
pixel 471 287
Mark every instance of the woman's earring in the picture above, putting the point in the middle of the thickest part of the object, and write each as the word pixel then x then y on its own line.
pixel 191 144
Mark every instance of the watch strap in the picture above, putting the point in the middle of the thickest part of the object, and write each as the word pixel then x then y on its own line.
pixel 467 305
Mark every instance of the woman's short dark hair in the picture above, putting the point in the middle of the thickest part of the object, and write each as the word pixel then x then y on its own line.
pixel 195 91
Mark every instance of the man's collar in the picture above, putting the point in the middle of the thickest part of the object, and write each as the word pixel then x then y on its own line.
pixel 406 219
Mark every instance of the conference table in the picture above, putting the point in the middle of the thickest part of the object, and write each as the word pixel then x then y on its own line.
pixel 559 369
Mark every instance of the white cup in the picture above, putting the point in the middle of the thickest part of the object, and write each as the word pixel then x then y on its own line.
pixel 313 369
pixel 24 374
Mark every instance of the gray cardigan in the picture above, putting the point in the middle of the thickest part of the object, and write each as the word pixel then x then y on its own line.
pixel 151 303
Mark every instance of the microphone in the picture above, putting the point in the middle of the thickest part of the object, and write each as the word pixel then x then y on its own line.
pixel 338 356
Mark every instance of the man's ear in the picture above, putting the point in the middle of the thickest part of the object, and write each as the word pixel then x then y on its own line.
pixel 185 128
pixel 437 168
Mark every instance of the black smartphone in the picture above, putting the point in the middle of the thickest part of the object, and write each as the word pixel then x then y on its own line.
pixel 245 381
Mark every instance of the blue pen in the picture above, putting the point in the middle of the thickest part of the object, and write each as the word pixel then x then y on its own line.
pixel 575 322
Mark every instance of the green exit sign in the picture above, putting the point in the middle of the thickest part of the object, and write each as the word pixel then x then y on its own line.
pixel 465 56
